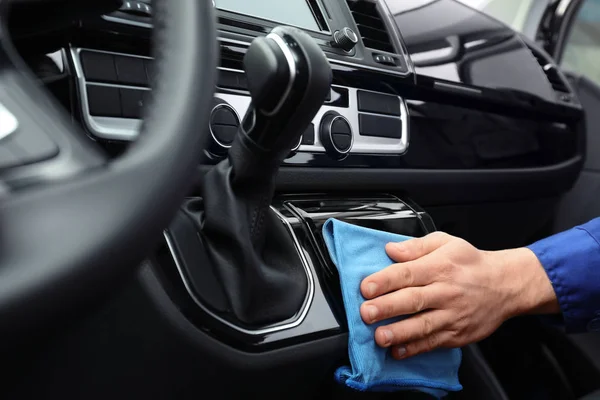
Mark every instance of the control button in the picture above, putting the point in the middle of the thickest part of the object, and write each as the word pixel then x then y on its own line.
pixel 296 147
pixel 224 124
pixel 132 103
pixel 98 67
pixel 345 39
pixel 336 135
pixel 379 126
pixel 385 59
pixel 104 101
pixel 308 137
pixel 224 116
pixel 378 103
pixel 232 80
pixel 131 70
pixel 224 134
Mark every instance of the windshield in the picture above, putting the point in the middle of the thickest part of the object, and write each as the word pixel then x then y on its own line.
pixel 522 15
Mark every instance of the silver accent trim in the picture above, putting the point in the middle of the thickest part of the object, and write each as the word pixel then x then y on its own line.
pixel 361 144
pixel 298 145
pixel 269 329
pixel 215 108
pixel 118 20
pixel 330 133
pixel 109 128
pixel 8 122
pixel 351 34
pixel 289 57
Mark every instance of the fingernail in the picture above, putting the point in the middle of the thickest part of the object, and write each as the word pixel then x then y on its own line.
pixel 400 351
pixel 387 337
pixel 371 312
pixel 371 289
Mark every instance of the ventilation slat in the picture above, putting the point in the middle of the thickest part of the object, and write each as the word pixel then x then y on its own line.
pixel 231 59
pixel 557 83
pixel 371 27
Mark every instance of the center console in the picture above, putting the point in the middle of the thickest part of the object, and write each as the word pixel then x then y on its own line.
pixel 322 311
pixel 356 36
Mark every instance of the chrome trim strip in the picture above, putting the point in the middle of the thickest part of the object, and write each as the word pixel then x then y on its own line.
pixel 8 122
pixel 269 329
pixel 107 128
pixel 118 20
pixel 212 134
pixel 289 57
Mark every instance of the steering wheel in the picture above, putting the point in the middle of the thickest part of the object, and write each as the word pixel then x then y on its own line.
pixel 72 221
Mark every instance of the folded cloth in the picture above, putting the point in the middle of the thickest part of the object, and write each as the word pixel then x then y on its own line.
pixel 358 252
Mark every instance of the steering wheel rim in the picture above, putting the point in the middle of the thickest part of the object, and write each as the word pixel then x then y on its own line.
pixel 84 219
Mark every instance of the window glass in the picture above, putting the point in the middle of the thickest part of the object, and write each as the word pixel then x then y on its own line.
pixel 582 49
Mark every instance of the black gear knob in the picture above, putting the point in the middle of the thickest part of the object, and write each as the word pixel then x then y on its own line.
pixel 289 78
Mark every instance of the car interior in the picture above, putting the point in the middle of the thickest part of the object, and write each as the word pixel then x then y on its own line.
pixel 167 168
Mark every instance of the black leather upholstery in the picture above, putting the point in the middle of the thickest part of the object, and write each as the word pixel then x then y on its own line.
pixel 248 246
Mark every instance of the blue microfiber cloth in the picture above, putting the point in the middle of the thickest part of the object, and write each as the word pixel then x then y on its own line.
pixel 358 252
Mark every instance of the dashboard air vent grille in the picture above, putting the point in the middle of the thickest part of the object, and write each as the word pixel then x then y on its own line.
pixel 232 58
pixel 370 25
pixel 551 72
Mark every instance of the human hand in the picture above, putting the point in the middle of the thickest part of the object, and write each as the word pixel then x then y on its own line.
pixel 459 294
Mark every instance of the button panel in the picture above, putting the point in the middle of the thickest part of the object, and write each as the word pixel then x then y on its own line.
pixel 379 126
pixel 104 101
pixel 378 103
pixel 131 71
pixel 113 103
pixel 99 67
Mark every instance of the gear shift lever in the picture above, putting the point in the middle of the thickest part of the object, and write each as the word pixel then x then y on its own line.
pixel 247 265
pixel 288 78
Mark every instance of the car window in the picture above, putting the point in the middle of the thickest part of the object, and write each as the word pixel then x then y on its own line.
pixel 521 15
pixel 582 48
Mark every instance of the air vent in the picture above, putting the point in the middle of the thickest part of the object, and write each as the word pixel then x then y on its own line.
pixel 558 84
pixel 370 25
pixel 232 58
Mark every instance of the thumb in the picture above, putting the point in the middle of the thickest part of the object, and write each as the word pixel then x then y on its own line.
pixel 416 248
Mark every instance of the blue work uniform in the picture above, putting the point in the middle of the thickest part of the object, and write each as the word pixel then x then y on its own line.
pixel 572 261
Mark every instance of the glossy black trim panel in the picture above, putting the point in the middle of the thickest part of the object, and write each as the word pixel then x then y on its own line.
pixel 305 215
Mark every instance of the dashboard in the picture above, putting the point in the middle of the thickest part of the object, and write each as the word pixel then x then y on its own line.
pixel 426 96
pixel 393 76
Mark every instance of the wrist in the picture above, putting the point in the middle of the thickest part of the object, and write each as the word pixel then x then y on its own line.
pixel 528 288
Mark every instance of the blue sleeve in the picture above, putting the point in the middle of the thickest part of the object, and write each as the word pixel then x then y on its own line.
pixel 572 261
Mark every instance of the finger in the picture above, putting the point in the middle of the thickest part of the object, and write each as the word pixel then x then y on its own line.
pixel 434 341
pixel 413 329
pixel 399 276
pixel 403 302
pixel 416 248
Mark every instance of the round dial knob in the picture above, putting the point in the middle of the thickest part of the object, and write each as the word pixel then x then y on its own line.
pixel 223 125
pixel 345 39
pixel 336 135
